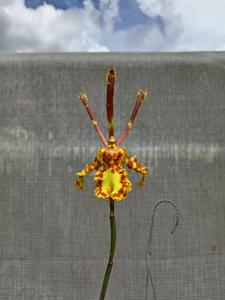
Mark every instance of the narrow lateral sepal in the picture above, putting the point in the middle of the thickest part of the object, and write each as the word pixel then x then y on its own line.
pixel 84 99
pixel 141 94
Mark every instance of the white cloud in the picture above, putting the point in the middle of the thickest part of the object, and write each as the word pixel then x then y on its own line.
pixel 110 11
pixel 24 29
pixel 180 25
pixel 190 25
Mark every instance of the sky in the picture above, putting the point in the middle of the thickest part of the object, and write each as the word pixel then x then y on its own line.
pixel 112 25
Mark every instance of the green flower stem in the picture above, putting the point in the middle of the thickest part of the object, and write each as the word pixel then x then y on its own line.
pixel 112 250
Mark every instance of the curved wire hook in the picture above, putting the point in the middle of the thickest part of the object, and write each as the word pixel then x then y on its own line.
pixel 149 251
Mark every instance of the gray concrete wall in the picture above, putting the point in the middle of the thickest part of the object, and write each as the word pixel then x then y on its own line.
pixel 54 239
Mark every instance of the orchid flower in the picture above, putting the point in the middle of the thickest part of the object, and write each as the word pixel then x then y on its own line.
pixel 111 179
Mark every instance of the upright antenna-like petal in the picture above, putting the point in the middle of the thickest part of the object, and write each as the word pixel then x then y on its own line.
pixel 110 79
pixel 140 98
pixel 84 99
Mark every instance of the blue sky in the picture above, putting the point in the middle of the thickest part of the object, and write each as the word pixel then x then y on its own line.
pixel 60 4
pixel 112 25
pixel 130 13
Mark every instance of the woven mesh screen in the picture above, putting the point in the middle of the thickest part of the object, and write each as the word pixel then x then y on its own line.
pixel 54 239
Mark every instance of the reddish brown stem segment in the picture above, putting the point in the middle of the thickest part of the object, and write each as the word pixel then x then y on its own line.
pixel 84 99
pixel 140 98
pixel 112 251
pixel 110 79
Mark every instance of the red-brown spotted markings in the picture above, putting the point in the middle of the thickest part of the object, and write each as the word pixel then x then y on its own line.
pixel 111 179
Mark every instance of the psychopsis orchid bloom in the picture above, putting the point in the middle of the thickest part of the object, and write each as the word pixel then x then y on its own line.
pixel 111 178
